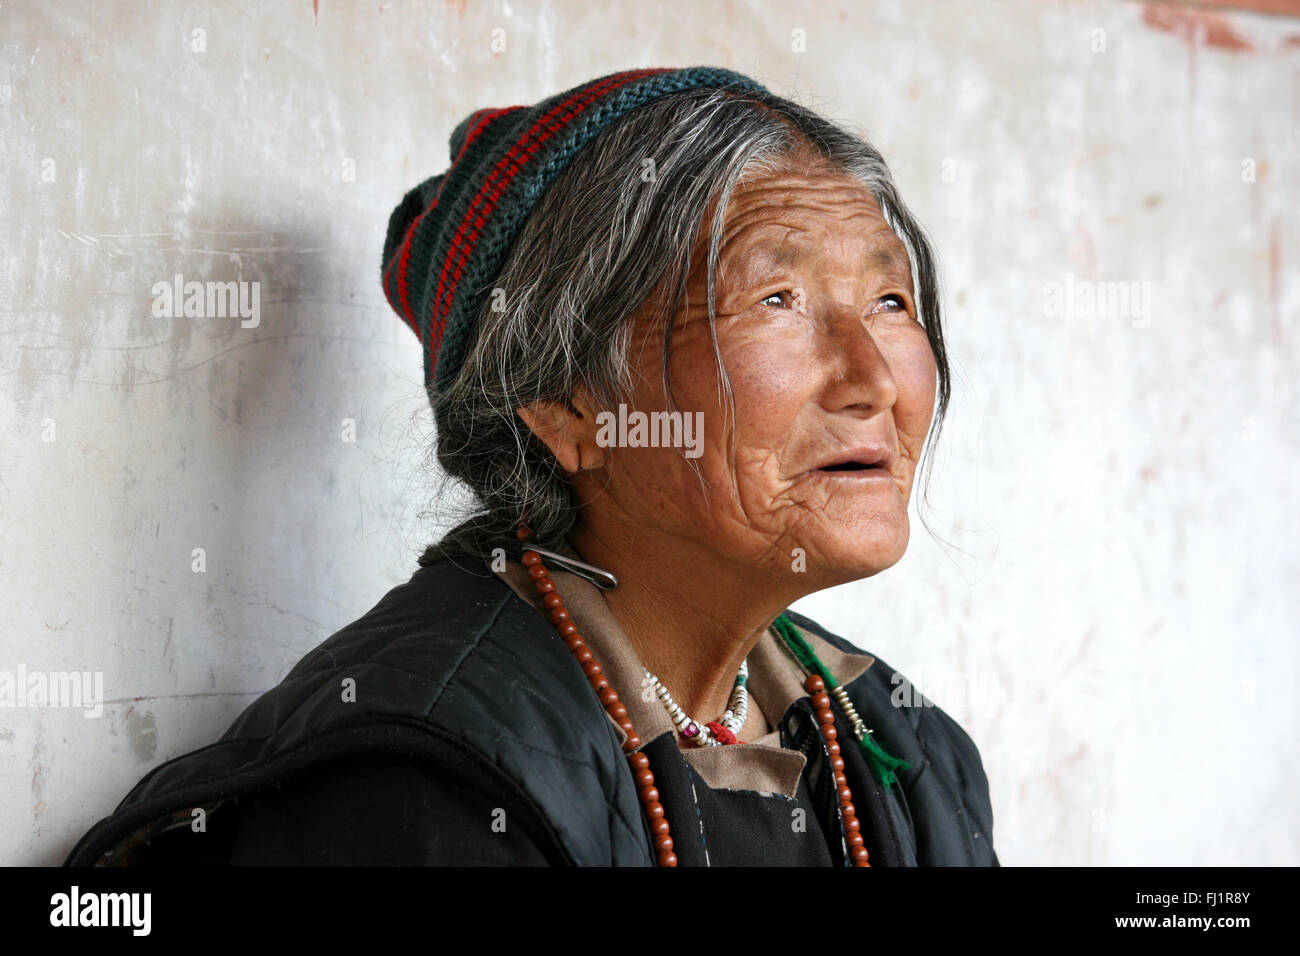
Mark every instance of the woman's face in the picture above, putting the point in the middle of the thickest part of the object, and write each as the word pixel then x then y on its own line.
pixel 816 327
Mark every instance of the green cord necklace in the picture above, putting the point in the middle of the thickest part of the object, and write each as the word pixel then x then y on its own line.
pixel 882 764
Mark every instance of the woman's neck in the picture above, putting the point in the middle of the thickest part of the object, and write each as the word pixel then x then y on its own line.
pixel 690 620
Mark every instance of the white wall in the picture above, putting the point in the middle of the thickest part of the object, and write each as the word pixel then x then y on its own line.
pixel 1113 616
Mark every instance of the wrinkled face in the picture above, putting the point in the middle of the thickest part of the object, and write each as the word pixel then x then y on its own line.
pixel 829 367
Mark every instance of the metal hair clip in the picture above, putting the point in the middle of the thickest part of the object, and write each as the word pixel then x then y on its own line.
pixel 598 576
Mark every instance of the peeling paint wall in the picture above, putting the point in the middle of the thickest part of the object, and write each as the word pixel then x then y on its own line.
pixel 1110 611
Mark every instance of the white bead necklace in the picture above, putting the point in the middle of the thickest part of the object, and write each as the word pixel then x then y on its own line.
pixel 719 732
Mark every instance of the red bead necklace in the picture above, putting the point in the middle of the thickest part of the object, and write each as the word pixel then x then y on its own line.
pixel 639 762
pixel 821 702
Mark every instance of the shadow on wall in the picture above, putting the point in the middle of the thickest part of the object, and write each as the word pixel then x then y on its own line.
pixel 225 459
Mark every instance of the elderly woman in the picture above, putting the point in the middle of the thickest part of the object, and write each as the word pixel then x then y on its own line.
pixel 682 342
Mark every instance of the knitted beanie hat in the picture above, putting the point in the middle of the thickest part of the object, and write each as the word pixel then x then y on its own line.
pixel 450 236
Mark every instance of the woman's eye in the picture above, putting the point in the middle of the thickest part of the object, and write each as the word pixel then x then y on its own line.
pixel 788 299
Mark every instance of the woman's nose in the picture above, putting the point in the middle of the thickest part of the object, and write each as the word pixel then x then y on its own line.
pixel 858 368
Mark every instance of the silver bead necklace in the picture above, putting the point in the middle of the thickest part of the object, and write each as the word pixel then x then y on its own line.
pixel 698 732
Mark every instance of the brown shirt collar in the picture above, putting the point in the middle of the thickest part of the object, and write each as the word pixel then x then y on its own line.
pixel 775 682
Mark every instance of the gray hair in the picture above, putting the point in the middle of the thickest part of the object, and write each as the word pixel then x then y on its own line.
pixel 604 242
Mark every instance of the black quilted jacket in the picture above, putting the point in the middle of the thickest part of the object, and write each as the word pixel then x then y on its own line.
pixel 389 744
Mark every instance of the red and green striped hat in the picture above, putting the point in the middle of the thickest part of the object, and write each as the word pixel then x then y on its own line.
pixel 449 237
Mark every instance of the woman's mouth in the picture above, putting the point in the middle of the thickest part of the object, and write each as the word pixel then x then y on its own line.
pixel 854 473
pixel 864 464
pixel 852 466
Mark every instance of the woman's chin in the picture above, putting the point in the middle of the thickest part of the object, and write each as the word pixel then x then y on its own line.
pixel 843 555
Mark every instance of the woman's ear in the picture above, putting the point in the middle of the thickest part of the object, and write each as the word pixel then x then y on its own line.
pixel 568 429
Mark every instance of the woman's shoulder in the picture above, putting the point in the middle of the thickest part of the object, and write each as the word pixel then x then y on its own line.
pixel 449 670
pixel 945 784
pixel 453 646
